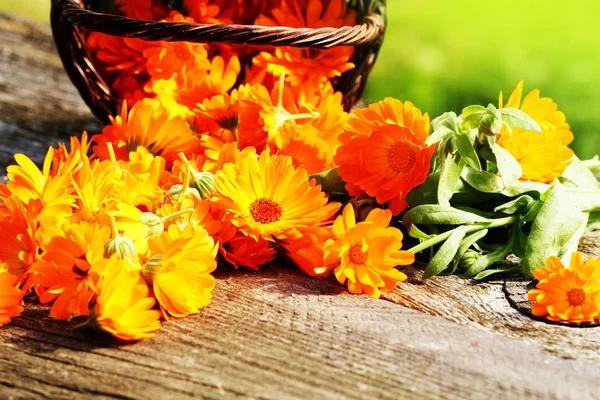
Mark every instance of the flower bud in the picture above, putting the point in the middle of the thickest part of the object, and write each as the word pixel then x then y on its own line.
pixel 154 223
pixel 178 191
pixel 204 183
pixel 468 259
pixel 491 125
pixel 123 247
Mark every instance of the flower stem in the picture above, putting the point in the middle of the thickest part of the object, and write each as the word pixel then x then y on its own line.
pixel 177 214
pixel 113 226
pixel 473 228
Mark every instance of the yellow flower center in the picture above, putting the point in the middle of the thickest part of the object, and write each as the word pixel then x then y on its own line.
pixel 401 157
pixel 265 211
pixel 357 256
pixel 576 297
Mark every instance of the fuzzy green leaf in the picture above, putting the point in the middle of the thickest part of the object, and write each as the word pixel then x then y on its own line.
pixel 467 151
pixel 466 244
pixel 432 214
pixel 580 175
pixel 555 223
pixel 521 203
pixel 503 269
pixel 486 261
pixel 508 166
pixel 444 256
pixel 483 181
pixel 519 119
pixel 449 178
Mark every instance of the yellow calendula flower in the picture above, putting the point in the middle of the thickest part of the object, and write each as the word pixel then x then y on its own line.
pixel 364 255
pixel 543 156
pixel 269 198
pixel 178 268
pixel 567 294
pixel 124 307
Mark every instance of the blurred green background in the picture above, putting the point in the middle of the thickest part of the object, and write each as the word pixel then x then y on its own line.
pixel 446 54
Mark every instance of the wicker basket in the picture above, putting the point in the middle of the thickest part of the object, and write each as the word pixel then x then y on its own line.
pixel 68 17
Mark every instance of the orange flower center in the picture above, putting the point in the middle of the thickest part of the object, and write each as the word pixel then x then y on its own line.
pixel 265 211
pixel 357 256
pixel 576 297
pixel 401 157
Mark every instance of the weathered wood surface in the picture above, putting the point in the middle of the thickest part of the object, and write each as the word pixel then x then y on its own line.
pixel 276 334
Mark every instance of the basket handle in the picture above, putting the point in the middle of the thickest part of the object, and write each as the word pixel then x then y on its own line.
pixel 371 28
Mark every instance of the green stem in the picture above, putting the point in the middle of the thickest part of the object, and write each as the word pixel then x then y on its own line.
pixel 294 117
pixel 114 228
pixel 474 228
pixel 177 214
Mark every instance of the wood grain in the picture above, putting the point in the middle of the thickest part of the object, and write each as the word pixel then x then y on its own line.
pixel 275 334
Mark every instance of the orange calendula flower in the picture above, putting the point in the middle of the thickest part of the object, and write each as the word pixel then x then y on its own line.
pixel 188 89
pixel 305 65
pixel 124 306
pixel 386 156
pixel 241 250
pixel 179 266
pixel 11 296
pixel 269 198
pixel 306 148
pixel 167 58
pixel 365 254
pixel 143 9
pixel 543 156
pixel 208 11
pixel 19 249
pixel 151 125
pixel 567 294
pixel 307 252
pixel 68 270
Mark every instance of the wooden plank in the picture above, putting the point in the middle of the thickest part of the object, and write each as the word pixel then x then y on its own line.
pixel 276 333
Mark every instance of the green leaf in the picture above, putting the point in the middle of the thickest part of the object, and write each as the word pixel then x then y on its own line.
pixel 483 181
pixel 432 214
pixel 503 269
pixel 444 256
pixel 331 182
pixel 426 193
pixel 416 233
pixel 467 151
pixel 550 231
pixel 508 166
pixel 449 178
pixel 518 188
pixel 577 224
pixel 519 243
pixel 519 204
pixel 437 136
pixel 580 175
pixel 466 244
pixel 486 261
pixel 470 110
pixel 594 221
pixel 518 119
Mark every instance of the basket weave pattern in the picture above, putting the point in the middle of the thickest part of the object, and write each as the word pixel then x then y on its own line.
pixel 69 17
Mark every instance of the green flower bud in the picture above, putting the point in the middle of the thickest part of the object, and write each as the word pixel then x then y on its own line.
pixel 468 259
pixel 490 125
pixel 203 183
pixel 179 191
pixel 123 247
pixel 150 268
pixel 154 223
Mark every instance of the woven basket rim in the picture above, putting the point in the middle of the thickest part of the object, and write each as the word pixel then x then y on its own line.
pixel 370 29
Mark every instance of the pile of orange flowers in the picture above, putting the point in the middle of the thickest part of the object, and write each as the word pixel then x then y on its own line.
pixel 214 161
